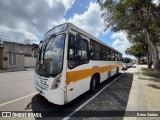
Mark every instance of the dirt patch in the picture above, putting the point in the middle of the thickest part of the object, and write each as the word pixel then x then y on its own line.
pixel 152 74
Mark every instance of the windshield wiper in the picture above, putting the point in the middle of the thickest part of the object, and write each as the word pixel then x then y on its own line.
pixel 41 50
pixel 49 39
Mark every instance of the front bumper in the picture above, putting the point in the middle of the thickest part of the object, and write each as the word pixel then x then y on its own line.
pixel 55 96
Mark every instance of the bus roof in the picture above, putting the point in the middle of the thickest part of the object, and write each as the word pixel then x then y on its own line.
pixel 70 26
pixel 73 27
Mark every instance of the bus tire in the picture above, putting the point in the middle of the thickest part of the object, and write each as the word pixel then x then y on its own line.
pixel 117 70
pixel 93 84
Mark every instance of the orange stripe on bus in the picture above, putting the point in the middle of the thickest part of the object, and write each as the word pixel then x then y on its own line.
pixel 75 76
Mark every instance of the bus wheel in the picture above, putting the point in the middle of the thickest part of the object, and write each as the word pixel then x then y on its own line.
pixel 93 84
pixel 117 70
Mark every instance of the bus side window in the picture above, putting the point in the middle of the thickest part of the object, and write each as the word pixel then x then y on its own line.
pixel 115 56
pixel 96 50
pixel 103 53
pixel 119 57
pixel 107 53
pixel 71 47
pixel 77 51
pixel 84 49
pixel 91 49
pixel 109 56
pixel 112 55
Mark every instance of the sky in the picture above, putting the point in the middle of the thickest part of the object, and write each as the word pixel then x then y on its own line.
pixel 23 20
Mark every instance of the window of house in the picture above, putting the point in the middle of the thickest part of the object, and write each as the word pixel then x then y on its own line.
pixel 12 59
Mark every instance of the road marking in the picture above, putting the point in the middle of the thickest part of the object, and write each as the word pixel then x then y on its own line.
pixel 17 99
pixel 66 118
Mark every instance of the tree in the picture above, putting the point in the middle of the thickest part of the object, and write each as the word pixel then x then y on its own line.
pixel 138 16
pixel 137 50
pixel 138 38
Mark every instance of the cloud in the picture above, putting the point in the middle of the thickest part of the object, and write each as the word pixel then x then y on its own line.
pixel 32 18
pixel 116 43
pixel 157 2
pixel 119 35
pixel 90 21
pixel 120 42
pixel 29 18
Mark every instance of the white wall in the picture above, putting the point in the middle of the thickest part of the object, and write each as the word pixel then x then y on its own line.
pixel 19 61
pixel 29 61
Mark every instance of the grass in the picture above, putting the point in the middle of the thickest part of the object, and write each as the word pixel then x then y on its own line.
pixel 154 75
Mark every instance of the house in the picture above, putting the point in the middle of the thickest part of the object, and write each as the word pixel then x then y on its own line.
pixel 16 55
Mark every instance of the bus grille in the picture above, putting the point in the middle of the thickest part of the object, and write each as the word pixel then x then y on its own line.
pixel 42 83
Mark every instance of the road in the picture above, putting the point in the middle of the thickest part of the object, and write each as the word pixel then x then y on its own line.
pixel 111 95
pixel 14 85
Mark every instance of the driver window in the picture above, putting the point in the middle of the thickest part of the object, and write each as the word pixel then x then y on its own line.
pixel 77 51
pixel 71 46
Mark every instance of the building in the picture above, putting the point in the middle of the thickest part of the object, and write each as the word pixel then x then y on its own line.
pixel 17 56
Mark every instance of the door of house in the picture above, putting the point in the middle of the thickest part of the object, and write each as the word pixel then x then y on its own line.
pixel 1 57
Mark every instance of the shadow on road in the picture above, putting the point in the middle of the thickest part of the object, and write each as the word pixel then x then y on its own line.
pixel 133 66
pixel 113 98
pixel 156 86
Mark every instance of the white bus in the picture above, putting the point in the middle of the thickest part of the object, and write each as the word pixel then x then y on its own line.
pixel 71 62
pixel 127 62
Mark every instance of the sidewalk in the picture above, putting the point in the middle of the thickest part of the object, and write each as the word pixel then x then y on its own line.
pixel 145 92
pixel 16 70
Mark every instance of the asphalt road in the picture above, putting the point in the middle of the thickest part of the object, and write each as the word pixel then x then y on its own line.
pixel 111 95
pixel 14 85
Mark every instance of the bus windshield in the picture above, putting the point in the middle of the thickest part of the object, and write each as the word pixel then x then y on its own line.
pixel 50 59
pixel 126 60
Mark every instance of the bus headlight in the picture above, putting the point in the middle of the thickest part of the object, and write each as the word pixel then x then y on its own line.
pixel 56 82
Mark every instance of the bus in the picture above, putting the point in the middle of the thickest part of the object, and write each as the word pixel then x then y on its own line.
pixel 70 62
pixel 127 62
